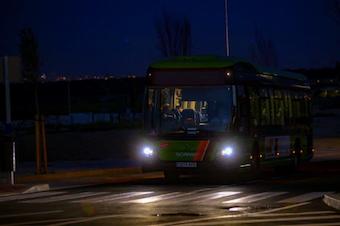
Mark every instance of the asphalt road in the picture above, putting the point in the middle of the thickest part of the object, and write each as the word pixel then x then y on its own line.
pixel 265 199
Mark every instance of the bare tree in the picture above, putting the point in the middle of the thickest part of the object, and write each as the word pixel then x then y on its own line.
pixel 263 51
pixel 30 61
pixel 29 54
pixel 31 72
pixel 174 35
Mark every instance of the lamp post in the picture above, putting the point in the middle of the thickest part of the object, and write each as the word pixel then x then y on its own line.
pixel 10 144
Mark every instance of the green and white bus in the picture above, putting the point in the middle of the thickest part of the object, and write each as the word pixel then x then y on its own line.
pixel 209 113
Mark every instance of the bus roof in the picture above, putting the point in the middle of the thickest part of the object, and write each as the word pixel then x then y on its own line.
pixel 278 73
pixel 218 62
pixel 196 62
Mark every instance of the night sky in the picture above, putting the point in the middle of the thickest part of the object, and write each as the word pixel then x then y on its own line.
pixel 118 36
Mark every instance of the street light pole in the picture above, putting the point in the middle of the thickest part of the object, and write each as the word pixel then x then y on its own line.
pixel 8 124
pixel 7 91
pixel 226 30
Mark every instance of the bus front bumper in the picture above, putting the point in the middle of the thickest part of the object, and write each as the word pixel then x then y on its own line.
pixel 194 167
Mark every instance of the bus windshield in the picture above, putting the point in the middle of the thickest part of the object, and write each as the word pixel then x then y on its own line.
pixel 175 110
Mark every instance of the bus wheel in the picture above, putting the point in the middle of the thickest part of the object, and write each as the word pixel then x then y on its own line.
pixel 171 176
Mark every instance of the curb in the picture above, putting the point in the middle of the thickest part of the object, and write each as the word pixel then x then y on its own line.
pixel 88 179
pixel 37 188
pixel 18 189
pixel 66 175
pixel 117 179
pixel 332 201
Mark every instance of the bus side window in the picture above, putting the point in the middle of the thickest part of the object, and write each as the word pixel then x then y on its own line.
pixel 243 107
pixel 293 101
pixel 254 106
pixel 303 108
pixel 242 101
pixel 151 115
pixel 264 107
pixel 149 107
pixel 308 107
pixel 166 98
pixel 296 107
pixel 278 102
pixel 300 107
pixel 286 107
pixel 290 108
pixel 272 107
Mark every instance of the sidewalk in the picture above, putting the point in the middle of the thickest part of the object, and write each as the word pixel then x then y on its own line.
pixel 75 174
pixel 28 168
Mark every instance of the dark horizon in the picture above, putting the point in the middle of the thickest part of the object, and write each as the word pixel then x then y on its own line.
pixel 119 37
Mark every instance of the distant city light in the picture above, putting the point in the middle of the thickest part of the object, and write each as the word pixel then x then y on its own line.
pixel 81 77
pixel 43 77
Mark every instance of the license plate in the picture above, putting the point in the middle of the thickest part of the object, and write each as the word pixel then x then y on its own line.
pixel 186 164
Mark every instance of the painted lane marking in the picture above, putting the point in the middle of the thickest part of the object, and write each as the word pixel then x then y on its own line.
pixel 157 198
pixel 65 197
pixel 113 197
pixel 285 208
pixel 165 196
pixel 44 222
pixel 189 195
pixel 223 194
pixel 251 221
pixel 292 214
pixel 319 224
pixel 29 196
pixel 229 216
pixel 216 195
pixel 196 195
pixel 304 197
pixel 31 213
pixel 255 197
pixel 89 219
pixel 183 222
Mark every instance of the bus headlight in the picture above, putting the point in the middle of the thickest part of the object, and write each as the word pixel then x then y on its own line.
pixel 227 151
pixel 148 152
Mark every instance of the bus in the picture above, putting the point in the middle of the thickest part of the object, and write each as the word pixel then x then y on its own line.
pixel 210 114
